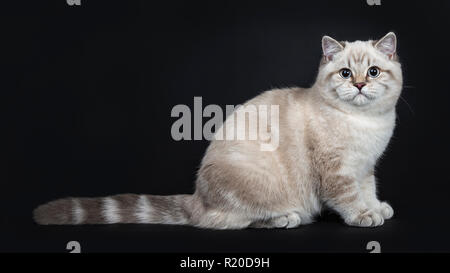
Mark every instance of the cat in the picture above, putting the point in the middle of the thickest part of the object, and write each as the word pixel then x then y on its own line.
pixel 331 136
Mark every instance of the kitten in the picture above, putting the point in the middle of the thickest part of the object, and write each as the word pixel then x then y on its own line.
pixel 330 137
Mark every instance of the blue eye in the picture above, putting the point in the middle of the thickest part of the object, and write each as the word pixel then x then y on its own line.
pixel 373 72
pixel 345 73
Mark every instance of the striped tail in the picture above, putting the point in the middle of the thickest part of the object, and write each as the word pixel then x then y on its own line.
pixel 122 208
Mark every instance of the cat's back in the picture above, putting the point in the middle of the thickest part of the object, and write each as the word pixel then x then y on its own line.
pixel 279 96
pixel 274 114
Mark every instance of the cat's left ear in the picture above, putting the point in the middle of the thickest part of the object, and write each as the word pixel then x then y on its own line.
pixel 330 47
pixel 387 44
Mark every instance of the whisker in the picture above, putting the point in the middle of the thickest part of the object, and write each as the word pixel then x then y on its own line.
pixel 409 106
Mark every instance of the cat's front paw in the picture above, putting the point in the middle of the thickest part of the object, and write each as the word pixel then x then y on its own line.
pixel 369 218
pixel 386 210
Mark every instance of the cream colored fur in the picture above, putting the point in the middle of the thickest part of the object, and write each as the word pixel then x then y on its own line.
pixel 330 140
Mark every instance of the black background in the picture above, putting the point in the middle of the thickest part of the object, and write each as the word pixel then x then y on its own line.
pixel 88 90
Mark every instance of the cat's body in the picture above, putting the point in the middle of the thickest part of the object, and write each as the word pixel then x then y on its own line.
pixel 330 137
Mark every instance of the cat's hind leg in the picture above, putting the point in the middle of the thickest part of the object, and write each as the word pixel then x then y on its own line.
pixel 219 219
pixel 290 220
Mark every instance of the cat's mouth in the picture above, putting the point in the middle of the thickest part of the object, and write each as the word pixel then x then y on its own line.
pixel 365 93
pixel 362 98
pixel 361 94
pixel 356 97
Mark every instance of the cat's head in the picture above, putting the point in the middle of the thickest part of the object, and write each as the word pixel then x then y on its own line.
pixel 360 75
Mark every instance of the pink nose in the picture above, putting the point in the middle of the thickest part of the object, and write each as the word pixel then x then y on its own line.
pixel 359 85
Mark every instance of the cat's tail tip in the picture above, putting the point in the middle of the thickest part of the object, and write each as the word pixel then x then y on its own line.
pixel 53 213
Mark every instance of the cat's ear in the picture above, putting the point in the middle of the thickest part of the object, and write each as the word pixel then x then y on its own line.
pixel 387 44
pixel 330 47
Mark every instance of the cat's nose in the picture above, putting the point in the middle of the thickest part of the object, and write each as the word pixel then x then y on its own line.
pixel 359 85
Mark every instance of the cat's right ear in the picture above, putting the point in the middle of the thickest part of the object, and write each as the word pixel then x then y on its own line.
pixel 330 47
